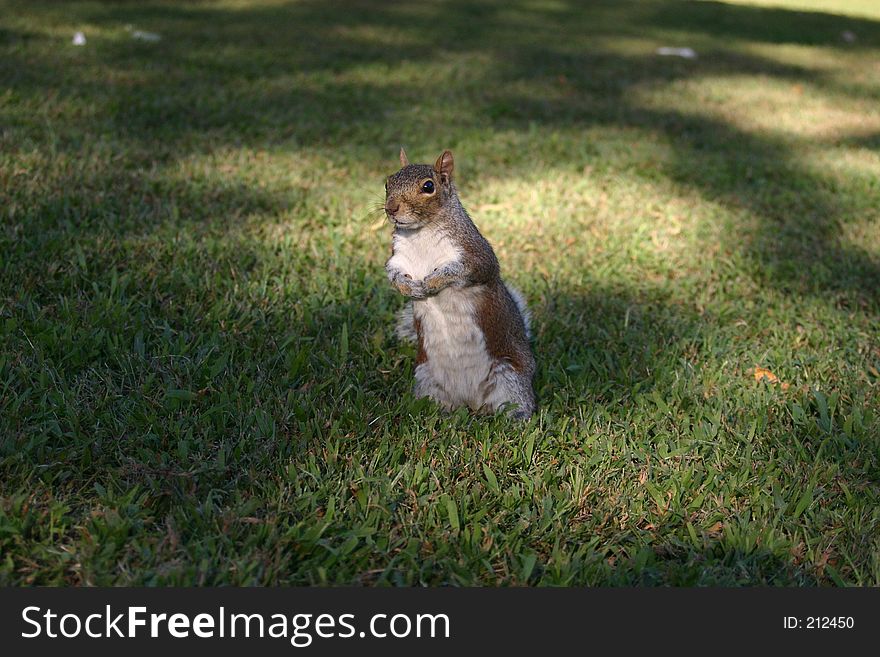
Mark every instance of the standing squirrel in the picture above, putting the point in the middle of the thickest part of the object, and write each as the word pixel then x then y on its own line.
pixel 472 330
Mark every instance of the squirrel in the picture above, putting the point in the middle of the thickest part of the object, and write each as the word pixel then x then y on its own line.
pixel 472 330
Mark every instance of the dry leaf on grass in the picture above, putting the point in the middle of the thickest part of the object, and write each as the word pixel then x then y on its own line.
pixel 715 530
pixel 762 374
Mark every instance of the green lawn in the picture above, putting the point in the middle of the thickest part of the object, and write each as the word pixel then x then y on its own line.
pixel 198 378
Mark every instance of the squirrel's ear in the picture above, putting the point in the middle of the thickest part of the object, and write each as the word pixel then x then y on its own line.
pixel 444 165
pixel 404 160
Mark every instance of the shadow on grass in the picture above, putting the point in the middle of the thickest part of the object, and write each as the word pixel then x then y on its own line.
pixel 639 354
pixel 306 82
pixel 715 565
pixel 764 24
pixel 870 140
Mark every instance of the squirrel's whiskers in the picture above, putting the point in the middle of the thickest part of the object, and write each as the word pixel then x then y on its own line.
pixel 373 215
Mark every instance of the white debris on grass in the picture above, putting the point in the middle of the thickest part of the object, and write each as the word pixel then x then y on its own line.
pixel 145 36
pixel 79 39
pixel 687 53
pixel 142 35
pixel 849 37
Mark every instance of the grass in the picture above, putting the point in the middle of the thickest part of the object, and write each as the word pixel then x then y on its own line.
pixel 198 379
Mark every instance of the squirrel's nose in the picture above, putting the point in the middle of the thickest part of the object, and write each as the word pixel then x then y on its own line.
pixel 391 207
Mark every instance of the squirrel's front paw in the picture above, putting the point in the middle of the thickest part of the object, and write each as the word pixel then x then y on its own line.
pixel 438 279
pixel 418 290
pixel 408 287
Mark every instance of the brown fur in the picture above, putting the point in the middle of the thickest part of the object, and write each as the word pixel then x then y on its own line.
pixel 504 329
pixel 421 355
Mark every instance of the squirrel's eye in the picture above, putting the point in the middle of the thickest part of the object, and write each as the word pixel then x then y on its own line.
pixel 428 187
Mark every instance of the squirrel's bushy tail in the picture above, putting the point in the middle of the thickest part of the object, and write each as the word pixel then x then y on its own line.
pixel 520 302
pixel 405 328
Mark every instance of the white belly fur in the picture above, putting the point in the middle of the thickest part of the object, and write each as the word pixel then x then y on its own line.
pixel 458 362
pixel 419 253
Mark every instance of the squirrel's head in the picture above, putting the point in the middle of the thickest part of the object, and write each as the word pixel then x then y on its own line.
pixel 415 195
